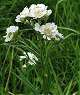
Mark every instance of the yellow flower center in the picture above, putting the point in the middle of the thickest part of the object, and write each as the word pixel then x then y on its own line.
pixel 47 31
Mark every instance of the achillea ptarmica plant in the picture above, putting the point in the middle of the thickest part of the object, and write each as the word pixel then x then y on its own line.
pixel 10 33
pixel 38 11
pixel 49 31
pixel 34 16
pixel 35 12
pixel 30 57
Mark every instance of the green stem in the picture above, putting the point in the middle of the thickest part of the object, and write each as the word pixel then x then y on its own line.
pixel 5 58
pixel 9 70
pixel 45 77
pixel 26 29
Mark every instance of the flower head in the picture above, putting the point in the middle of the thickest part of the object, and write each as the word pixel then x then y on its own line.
pixel 32 58
pixel 49 31
pixel 35 11
pixel 18 18
pixel 10 33
pixel 38 11
pixel 22 15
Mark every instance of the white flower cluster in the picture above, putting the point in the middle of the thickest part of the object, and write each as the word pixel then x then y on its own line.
pixel 35 11
pixel 32 58
pixel 10 33
pixel 35 14
pixel 49 31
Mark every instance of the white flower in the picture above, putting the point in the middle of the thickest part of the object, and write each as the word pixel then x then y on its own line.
pixel 25 12
pixel 38 11
pixel 24 56
pixel 49 31
pixel 35 11
pixel 12 29
pixel 10 33
pixel 24 66
pixel 18 18
pixel 32 58
pixel 22 15
pixel 37 27
pixel 74 93
pixel 49 12
pixel 24 53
